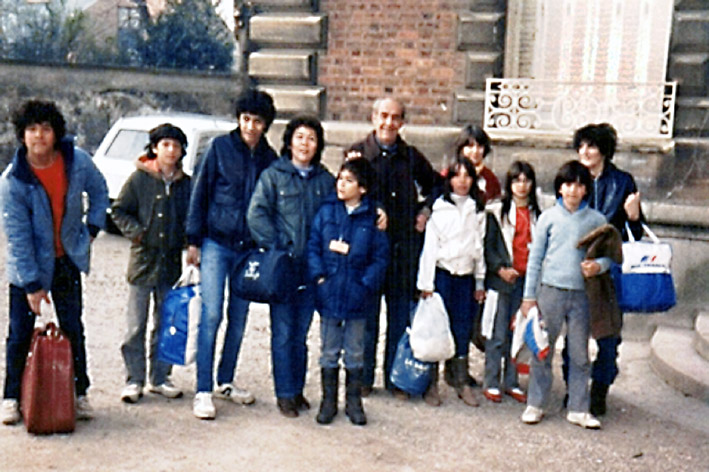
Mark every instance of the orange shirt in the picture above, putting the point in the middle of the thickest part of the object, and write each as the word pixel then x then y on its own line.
pixel 521 240
pixel 53 179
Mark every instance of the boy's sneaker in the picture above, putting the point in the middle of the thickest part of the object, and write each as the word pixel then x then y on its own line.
pixel 131 393
pixel 203 407
pixel 532 415
pixel 583 419
pixel 166 389
pixel 234 393
pixel 83 408
pixel 10 411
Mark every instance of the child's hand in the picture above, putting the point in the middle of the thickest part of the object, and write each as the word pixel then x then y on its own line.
pixel 426 294
pixel 590 268
pixel 479 296
pixel 352 155
pixel 526 306
pixel 192 255
pixel 508 274
pixel 632 206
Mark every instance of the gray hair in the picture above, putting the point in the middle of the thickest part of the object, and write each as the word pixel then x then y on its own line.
pixel 378 102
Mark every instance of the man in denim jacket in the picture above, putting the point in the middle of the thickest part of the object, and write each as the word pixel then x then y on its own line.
pixel 48 240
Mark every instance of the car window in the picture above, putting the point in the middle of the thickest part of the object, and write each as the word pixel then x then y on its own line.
pixel 128 144
pixel 203 141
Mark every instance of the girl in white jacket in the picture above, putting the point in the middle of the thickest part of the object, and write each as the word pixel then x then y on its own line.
pixel 452 263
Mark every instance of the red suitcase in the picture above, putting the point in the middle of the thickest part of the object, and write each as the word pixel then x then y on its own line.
pixel 47 401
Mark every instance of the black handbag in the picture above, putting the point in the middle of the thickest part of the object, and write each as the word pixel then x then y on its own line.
pixel 266 275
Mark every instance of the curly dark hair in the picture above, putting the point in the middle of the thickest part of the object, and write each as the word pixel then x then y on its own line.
pixel 37 112
pixel 309 122
pixel 603 136
pixel 256 102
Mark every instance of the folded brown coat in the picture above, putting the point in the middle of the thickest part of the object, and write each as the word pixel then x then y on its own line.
pixel 606 317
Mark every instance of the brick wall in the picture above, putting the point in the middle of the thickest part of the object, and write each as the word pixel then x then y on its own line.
pixel 404 48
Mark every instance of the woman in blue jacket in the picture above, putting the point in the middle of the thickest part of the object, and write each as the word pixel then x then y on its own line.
pixel 347 257
pixel 284 203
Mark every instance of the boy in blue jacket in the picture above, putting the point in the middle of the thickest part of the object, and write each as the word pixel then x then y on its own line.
pixel 347 256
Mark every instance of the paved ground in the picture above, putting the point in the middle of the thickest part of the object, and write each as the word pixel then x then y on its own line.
pixel 649 426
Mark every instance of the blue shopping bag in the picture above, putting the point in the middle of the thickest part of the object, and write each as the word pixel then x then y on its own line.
pixel 408 373
pixel 179 322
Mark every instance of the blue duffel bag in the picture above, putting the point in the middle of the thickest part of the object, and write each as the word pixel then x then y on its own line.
pixel 643 284
pixel 408 373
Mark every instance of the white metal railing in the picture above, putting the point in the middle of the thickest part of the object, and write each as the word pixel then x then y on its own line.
pixel 524 107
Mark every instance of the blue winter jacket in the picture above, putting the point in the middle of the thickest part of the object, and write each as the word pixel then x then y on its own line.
pixel 27 217
pixel 352 280
pixel 222 189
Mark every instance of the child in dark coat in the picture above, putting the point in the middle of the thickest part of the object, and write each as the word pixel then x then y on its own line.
pixel 347 257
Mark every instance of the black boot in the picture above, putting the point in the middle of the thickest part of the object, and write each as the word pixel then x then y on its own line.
pixel 449 376
pixel 461 380
pixel 328 406
pixel 599 392
pixel 353 406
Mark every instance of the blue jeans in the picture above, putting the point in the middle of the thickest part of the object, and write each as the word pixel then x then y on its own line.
pixel 290 323
pixel 337 336
pixel 498 347
pixel 217 265
pixel 133 347
pixel 66 294
pixel 557 307
pixel 457 294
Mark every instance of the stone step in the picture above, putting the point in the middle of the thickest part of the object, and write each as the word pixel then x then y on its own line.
pixel 477 29
pixel 284 5
pixel 283 65
pixel 691 71
pixel 293 100
pixel 481 65
pixel 701 335
pixel 674 359
pixel 692 117
pixel 690 30
pixel 291 30
pixel 468 106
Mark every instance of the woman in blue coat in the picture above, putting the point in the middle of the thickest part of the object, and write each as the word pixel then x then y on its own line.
pixel 347 257
pixel 282 208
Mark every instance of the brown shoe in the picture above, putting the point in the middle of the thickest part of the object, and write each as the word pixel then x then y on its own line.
pixel 466 394
pixel 493 394
pixel 287 407
pixel 517 394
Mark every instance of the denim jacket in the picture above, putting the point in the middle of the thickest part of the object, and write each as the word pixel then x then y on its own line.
pixel 27 217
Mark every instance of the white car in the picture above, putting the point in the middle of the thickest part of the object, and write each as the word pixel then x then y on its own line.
pixel 127 138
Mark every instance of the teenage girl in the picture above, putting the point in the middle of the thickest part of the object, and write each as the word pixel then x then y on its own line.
pixel 510 225
pixel 452 263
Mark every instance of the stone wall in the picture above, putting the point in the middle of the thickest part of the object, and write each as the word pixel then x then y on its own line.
pixel 92 99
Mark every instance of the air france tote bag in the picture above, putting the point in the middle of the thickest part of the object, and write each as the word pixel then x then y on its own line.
pixel 643 283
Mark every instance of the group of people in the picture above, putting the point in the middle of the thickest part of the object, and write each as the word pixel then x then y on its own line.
pixel 387 224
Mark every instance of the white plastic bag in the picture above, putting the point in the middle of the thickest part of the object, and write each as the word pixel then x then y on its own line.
pixel 431 339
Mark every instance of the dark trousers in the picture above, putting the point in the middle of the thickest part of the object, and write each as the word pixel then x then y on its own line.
pixel 66 294
pixel 605 368
pixel 399 307
pixel 457 294
pixel 371 340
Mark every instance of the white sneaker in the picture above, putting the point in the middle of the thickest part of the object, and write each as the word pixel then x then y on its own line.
pixel 10 411
pixel 532 415
pixel 131 393
pixel 83 408
pixel 203 407
pixel 166 389
pixel 583 419
pixel 234 393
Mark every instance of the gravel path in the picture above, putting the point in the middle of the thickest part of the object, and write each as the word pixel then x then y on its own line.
pixel 162 435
